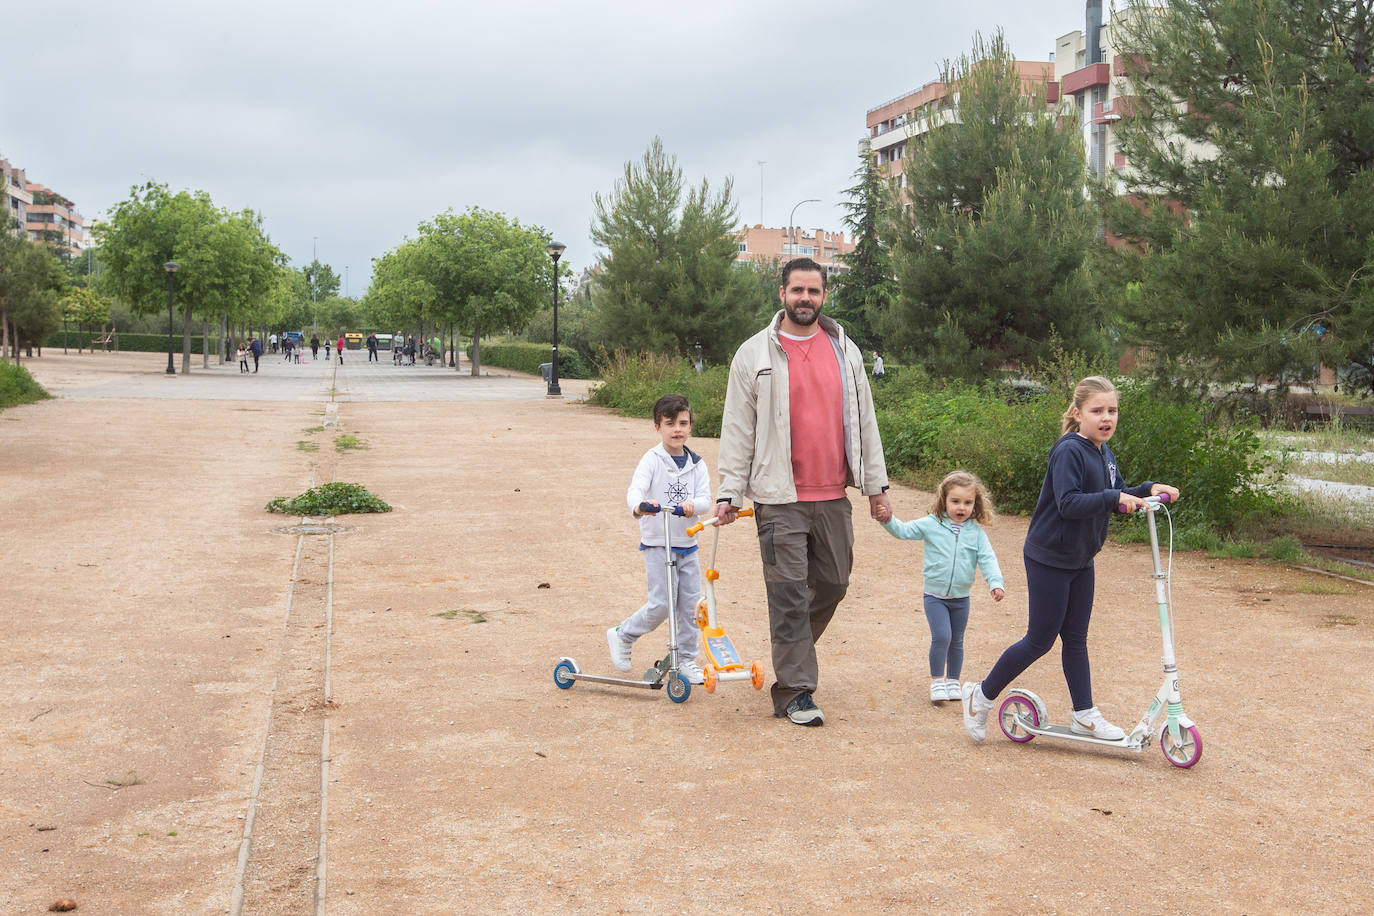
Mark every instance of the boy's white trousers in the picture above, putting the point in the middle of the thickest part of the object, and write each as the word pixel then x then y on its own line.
pixel 655 609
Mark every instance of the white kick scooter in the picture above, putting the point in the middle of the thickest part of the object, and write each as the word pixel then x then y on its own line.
pixel 1022 714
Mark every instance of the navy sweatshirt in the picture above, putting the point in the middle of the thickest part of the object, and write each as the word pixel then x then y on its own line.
pixel 1081 490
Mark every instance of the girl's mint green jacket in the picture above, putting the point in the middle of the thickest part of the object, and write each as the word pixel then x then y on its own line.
pixel 950 560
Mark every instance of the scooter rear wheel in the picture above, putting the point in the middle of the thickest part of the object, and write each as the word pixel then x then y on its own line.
pixel 563 673
pixel 1012 707
pixel 679 689
pixel 1186 751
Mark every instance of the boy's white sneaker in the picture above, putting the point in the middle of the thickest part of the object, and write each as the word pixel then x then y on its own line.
pixel 1090 722
pixel 976 708
pixel 620 649
pixel 692 672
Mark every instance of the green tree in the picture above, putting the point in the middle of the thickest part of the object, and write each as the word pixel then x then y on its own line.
pixel 30 276
pixel 668 276
pixel 861 298
pixel 477 271
pixel 321 279
pixel 989 253
pixel 1250 195
pixel 84 308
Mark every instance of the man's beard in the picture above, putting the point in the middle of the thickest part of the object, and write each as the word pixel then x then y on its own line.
pixel 805 321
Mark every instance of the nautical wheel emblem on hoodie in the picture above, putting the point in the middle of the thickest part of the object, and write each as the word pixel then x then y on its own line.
pixel 677 492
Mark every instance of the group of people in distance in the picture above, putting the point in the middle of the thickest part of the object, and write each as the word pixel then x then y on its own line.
pixel 799 429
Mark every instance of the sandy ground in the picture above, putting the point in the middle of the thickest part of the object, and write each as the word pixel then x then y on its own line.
pixel 206 714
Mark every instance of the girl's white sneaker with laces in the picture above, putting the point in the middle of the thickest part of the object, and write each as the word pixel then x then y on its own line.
pixel 1091 723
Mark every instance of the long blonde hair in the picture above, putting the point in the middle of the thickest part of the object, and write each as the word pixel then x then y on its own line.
pixel 1092 385
pixel 982 502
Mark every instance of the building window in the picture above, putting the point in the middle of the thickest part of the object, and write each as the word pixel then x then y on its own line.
pixel 743 247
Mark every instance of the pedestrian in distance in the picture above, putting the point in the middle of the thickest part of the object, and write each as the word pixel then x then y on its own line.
pixel 315 347
pixel 955 547
pixel 272 341
pixel 1081 490
pixel 326 349
pixel 372 348
pixel 339 348
pixel 255 348
pixel 798 429
pixel 878 370
pixel 669 474
pixel 243 358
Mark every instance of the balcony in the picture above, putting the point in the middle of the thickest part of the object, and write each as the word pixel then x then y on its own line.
pixel 1086 78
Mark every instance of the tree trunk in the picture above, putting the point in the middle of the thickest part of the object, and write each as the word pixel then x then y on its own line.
pixel 186 343
pixel 457 349
pixel 477 348
pixel 205 347
pixel 5 334
pixel 223 333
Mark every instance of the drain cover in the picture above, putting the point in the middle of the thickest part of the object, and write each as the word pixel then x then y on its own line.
pixel 313 528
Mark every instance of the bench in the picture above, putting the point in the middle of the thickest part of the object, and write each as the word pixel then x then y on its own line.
pixel 1330 412
pixel 103 341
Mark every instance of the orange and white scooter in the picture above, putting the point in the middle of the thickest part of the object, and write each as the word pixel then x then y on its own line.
pixel 724 662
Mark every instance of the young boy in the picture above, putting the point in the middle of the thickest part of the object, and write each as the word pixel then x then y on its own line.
pixel 668 475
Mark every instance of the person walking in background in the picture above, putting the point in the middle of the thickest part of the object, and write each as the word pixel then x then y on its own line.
pixel 1081 491
pixel 878 370
pixel 315 346
pixel 255 348
pixel 397 344
pixel 372 348
pixel 243 358
pixel 326 348
pixel 272 341
pixel 955 548
pixel 798 429
pixel 339 348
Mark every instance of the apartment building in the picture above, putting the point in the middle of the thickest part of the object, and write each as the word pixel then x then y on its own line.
pixel 763 245
pixel 16 199
pixel 53 220
pixel 899 122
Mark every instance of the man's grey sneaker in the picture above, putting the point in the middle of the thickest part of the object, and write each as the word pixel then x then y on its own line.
pixel 1090 722
pixel 692 672
pixel 804 711
pixel 620 649
pixel 976 708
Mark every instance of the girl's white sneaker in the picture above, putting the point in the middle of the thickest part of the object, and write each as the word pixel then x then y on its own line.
pixel 1090 722
pixel 938 694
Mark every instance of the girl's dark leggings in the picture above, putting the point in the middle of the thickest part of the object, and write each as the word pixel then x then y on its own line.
pixel 1061 605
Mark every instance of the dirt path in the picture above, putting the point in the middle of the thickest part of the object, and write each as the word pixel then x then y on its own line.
pixel 154 618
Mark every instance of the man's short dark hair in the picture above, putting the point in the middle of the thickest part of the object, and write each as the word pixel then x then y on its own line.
pixel 669 406
pixel 801 264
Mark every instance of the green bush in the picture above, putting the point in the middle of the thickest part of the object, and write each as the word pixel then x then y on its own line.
pixel 18 387
pixel 132 343
pixel 631 385
pixel 335 498
pixel 527 357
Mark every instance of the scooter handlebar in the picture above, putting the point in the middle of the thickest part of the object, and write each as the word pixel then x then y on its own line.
pixel 652 508
pixel 696 529
pixel 1151 503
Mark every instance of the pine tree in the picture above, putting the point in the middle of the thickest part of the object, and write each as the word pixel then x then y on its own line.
pixel 861 298
pixel 1250 195
pixel 989 251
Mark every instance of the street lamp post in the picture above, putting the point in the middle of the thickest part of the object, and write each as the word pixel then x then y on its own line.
pixel 791 229
pixel 555 250
pixel 171 268
pixel 314 260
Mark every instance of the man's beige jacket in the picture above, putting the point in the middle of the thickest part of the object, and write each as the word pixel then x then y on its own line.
pixel 755 460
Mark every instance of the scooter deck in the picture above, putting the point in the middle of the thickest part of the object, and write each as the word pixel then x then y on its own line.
pixel 721 650
pixel 1064 731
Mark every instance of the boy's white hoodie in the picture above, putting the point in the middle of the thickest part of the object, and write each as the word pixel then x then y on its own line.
pixel 658 478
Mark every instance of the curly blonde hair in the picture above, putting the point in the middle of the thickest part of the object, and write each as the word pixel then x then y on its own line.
pixel 983 512
pixel 1092 385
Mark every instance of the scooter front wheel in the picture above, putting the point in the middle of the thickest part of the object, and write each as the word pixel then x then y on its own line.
pixel 678 688
pixel 1012 707
pixel 1184 752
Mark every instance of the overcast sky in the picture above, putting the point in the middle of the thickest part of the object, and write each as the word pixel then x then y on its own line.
pixel 353 121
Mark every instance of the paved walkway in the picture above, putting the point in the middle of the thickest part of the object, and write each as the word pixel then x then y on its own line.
pixel 143 375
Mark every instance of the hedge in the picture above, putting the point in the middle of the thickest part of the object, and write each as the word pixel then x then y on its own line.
pixel 131 342
pixel 18 387
pixel 527 357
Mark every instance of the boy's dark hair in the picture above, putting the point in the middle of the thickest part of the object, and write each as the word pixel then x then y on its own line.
pixel 669 406
pixel 802 264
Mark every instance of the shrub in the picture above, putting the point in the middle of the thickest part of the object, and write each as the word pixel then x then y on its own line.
pixel 631 384
pixel 336 498
pixel 18 387
pixel 527 357
pixel 133 342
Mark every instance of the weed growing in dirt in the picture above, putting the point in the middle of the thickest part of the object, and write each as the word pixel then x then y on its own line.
pixel 469 613
pixel 18 387
pixel 121 782
pixel 336 498
pixel 1322 588
pixel 313 429
pixel 303 446
pixel 1286 548
pixel 345 442
pixel 1235 550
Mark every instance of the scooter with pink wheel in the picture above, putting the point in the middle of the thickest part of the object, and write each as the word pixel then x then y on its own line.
pixel 1023 716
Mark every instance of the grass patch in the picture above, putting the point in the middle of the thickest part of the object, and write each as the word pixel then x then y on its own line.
pixel 1327 564
pixel 1287 549
pixel 1360 473
pixel 123 782
pixel 303 446
pixel 313 429
pixel 344 443
pixel 1235 550
pixel 18 387
pixel 336 498
pixel 1323 588
pixel 469 613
